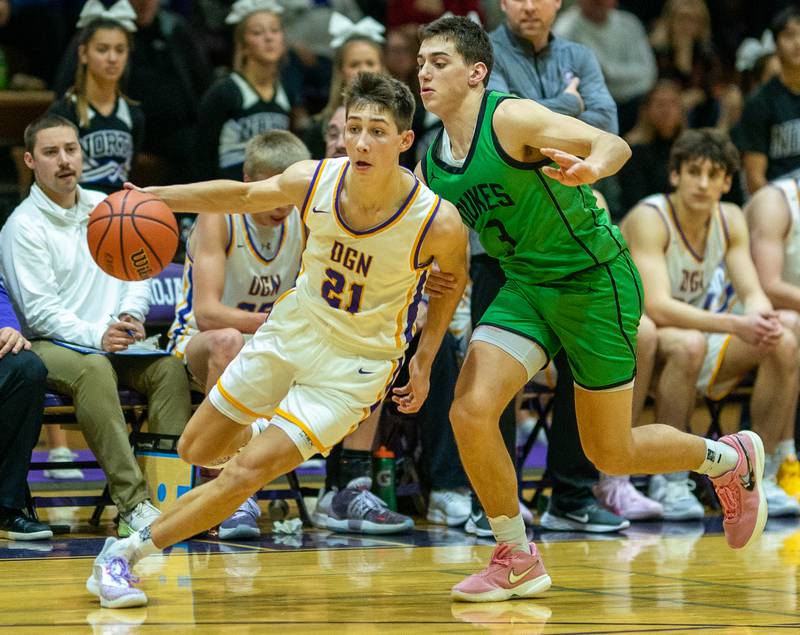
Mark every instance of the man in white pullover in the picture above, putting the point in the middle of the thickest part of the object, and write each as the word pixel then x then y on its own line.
pixel 59 293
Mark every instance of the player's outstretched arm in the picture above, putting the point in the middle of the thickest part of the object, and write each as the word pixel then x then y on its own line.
pixel 583 153
pixel 447 244
pixel 225 197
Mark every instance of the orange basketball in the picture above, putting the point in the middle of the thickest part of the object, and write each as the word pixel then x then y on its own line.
pixel 132 235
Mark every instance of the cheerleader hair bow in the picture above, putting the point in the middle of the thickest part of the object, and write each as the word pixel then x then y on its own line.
pixel 242 8
pixel 341 28
pixel 751 50
pixel 121 12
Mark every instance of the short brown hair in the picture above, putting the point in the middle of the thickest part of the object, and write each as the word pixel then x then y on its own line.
pixel 385 92
pixel 45 122
pixel 704 143
pixel 471 41
pixel 272 152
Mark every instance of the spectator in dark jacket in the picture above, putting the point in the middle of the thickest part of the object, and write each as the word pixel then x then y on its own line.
pixel 22 386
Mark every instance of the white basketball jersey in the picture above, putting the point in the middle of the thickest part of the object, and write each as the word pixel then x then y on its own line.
pixel 690 273
pixel 261 264
pixel 364 285
pixel 790 188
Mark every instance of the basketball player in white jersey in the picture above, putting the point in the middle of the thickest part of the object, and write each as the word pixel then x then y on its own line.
pixel 236 266
pixel 331 346
pixel 773 217
pixel 678 241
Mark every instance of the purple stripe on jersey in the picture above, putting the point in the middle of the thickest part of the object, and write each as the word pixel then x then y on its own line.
pixel 388 221
pixel 229 221
pixel 412 310
pixel 181 315
pixel 425 229
pixel 311 186
pixel 253 242
pixel 396 372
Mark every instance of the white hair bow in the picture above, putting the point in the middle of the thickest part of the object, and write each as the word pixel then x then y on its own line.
pixel 121 11
pixel 341 28
pixel 751 50
pixel 242 8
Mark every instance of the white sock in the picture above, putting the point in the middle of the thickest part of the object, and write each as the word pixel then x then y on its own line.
pixel 510 531
pixel 258 426
pixel 771 464
pixel 786 449
pixel 720 458
pixel 136 546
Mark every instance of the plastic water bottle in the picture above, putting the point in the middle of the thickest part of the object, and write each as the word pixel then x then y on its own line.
pixel 384 481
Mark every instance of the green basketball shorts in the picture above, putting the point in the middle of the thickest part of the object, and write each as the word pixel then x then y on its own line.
pixel 594 314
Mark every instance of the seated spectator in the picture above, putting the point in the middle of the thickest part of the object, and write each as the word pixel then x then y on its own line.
pixel 357 48
pixel 681 39
pixel 169 72
pixel 22 387
pixel 252 99
pixel 620 43
pixel 237 265
pixel 400 58
pixel 661 120
pixel 756 63
pixel 61 295
pixel 14 66
pixel 678 241
pixel 401 12
pixel 768 134
pixel 110 126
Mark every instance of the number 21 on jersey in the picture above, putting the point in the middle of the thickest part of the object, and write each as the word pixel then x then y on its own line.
pixel 336 290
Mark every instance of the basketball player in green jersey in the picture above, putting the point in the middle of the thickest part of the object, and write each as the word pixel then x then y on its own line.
pixel 519 176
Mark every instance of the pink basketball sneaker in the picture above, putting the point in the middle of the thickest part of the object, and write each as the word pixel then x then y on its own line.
pixel 740 492
pixel 509 574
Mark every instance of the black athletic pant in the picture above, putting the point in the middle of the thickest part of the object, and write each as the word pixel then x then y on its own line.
pixel 22 389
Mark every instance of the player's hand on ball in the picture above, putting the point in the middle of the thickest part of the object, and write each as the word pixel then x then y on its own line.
pixel 409 398
pixel 572 170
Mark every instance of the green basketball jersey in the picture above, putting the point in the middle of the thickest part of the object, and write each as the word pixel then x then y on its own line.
pixel 536 227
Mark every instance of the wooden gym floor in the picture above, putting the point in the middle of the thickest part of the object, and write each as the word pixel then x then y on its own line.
pixel 652 578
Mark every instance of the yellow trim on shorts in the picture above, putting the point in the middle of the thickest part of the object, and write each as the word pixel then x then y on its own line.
pixel 292 419
pixel 237 404
pixel 717 365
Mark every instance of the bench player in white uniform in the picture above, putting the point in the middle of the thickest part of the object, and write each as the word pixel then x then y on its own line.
pixel 236 266
pixel 678 241
pixel 332 346
pixel 773 216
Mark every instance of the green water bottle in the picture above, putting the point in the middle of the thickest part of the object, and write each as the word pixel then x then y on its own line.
pixel 384 481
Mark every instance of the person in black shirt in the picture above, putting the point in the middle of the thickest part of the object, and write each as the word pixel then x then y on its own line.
pixel 111 126
pixel 252 99
pixel 768 134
